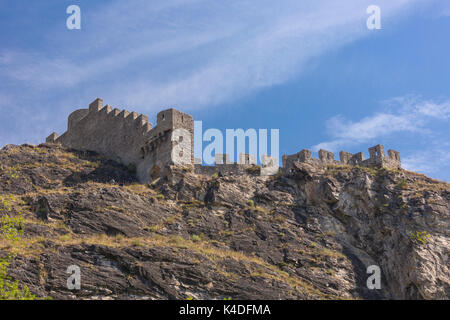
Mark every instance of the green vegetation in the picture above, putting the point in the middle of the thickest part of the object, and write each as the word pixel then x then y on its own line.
pixel 11 227
pixel 370 170
pixel 12 172
pixel 193 203
pixel 160 196
pixel 9 289
pixel 114 208
pixel 420 237
pixel 333 169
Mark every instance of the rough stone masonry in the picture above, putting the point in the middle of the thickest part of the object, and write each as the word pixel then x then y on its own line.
pixel 128 138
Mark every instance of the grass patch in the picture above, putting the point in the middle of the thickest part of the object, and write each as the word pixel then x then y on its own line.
pixel 160 196
pixel 254 169
pixel 402 184
pixel 114 208
pixel 419 237
pixel 138 188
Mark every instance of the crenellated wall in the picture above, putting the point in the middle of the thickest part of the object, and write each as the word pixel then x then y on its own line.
pixel 377 158
pixel 126 137
pixel 224 166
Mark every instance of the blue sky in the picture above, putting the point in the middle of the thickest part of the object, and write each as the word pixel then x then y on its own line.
pixel 309 68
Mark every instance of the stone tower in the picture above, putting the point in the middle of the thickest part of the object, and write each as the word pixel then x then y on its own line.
pixel 128 137
pixel 170 142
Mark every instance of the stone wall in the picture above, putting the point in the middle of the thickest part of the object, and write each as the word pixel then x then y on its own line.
pixel 164 140
pixel 222 169
pixel 377 158
pixel 128 137
pixel 224 166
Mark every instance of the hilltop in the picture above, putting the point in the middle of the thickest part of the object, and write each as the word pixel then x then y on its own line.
pixel 306 234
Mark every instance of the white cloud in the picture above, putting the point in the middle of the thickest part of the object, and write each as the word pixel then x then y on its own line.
pixel 406 114
pixel 434 161
pixel 194 53
pixel 409 114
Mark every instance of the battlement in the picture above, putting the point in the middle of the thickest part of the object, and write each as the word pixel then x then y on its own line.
pixel 124 136
pixel 108 116
pixel 129 138
pixel 377 158
pixel 247 163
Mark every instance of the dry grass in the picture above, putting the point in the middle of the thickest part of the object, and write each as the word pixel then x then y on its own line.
pixel 139 189
pixel 35 246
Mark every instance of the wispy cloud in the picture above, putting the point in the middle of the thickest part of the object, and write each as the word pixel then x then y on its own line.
pixel 409 114
pixel 433 161
pixel 188 53
pixel 194 53
pixel 404 114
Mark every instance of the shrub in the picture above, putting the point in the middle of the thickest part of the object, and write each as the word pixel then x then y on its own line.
pixel 421 237
pixel 160 196
pixel 9 289
pixel 250 203
pixel 11 228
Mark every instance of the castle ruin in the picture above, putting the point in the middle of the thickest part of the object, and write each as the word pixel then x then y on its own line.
pixel 128 138
pixel 377 158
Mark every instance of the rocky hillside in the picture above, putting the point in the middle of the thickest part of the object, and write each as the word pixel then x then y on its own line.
pixel 307 235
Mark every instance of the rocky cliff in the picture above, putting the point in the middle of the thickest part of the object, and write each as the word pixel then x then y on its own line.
pixel 310 234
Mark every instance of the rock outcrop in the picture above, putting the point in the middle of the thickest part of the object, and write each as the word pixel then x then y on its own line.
pixel 307 234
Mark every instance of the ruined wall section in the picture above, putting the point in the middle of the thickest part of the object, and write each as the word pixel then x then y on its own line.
pixel 223 169
pixel 305 156
pixel 224 166
pixel 246 164
pixel 377 158
pixel 128 137
pixel 116 134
